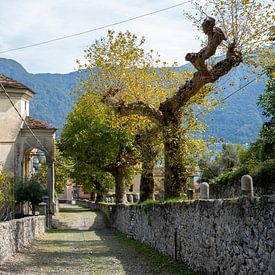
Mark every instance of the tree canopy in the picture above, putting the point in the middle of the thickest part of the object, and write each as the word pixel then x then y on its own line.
pixel 127 93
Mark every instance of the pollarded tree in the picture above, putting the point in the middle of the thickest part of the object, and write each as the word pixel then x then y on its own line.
pixel 234 37
pixel 91 140
pixel 150 148
pixel 121 71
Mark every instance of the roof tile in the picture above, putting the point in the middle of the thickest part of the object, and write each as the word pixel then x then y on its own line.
pixel 11 83
pixel 34 123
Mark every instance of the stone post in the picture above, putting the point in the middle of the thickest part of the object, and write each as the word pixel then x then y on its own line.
pixel 46 200
pixel 136 197
pixel 43 208
pixel 50 189
pixel 204 190
pixel 247 186
pixel 130 198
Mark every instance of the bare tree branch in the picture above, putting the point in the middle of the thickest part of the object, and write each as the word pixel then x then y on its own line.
pixel 139 108
pixel 215 37
pixel 203 76
pixel 169 109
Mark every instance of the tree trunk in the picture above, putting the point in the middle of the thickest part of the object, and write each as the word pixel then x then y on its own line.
pixel 33 209
pixel 147 183
pixel 148 140
pixel 120 188
pixel 99 197
pixel 175 177
pixel 168 116
pixel 175 170
pixel 93 196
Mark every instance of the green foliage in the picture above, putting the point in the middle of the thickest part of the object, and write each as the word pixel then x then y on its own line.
pixel 231 178
pixel 61 174
pixel 230 157
pixel 92 180
pixel 263 174
pixel 264 147
pixel 96 145
pixel 6 196
pixel 5 187
pixel 239 114
pixel 267 100
pixel 29 190
pixel 259 160
pixel 89 141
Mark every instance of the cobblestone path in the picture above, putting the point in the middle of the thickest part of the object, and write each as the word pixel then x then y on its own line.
pixel 82 245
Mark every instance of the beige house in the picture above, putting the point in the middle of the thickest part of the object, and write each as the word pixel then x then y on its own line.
pixel 18 138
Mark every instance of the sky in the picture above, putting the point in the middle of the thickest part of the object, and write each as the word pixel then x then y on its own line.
pixel 24 22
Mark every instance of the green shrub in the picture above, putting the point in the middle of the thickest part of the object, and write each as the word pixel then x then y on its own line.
pixel 29 190
pixel 231 178
pixel 263 174
pixel 6 198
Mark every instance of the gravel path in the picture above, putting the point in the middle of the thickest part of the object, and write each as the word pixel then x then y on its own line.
pixel 82 245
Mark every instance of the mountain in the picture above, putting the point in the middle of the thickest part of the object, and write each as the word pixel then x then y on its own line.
pixel 53 99
pixel 238 120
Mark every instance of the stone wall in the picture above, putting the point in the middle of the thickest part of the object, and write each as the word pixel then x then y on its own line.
pixel 17 234
pixel 209 236
pixel 219 191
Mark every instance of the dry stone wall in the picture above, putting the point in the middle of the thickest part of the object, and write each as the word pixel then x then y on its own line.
pixel 17 234
pixel 209 236
pixel 219 191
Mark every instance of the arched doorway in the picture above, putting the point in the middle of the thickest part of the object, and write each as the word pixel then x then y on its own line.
pixel 34 161
pixel 37 137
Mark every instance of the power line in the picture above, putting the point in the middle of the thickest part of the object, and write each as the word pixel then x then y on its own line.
pixel 28 127
pixel 23 120
pixel 236 91
pixel 248 83
pixel 239 89
pixel 95 29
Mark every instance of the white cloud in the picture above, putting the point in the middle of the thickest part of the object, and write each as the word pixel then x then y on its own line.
pixel 32 21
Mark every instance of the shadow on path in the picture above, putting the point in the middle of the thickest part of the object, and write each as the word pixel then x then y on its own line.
pixel 77 248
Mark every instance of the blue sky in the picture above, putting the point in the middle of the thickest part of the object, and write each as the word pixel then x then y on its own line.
pixel 24 22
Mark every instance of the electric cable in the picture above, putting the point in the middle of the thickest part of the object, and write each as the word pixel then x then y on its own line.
pixel 94 29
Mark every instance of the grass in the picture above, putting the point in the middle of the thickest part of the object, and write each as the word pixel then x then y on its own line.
pixel 72 210
pixel 162 263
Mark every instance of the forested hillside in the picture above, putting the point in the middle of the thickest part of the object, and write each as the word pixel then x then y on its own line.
pixel 237 120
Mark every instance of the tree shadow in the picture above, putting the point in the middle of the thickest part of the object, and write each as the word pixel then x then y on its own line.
pixel 72 209
pixel 92 251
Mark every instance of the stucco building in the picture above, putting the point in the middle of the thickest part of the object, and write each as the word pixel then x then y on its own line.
pixel 19 138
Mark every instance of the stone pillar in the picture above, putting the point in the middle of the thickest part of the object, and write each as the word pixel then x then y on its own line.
pixel 204 190
pixel 46 202
pixel 50 189
pixel 136 197
pixel 130 198
pixel 43 208
pixel 247 186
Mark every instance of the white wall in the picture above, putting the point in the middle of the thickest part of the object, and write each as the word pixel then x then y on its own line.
pixel 10 125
